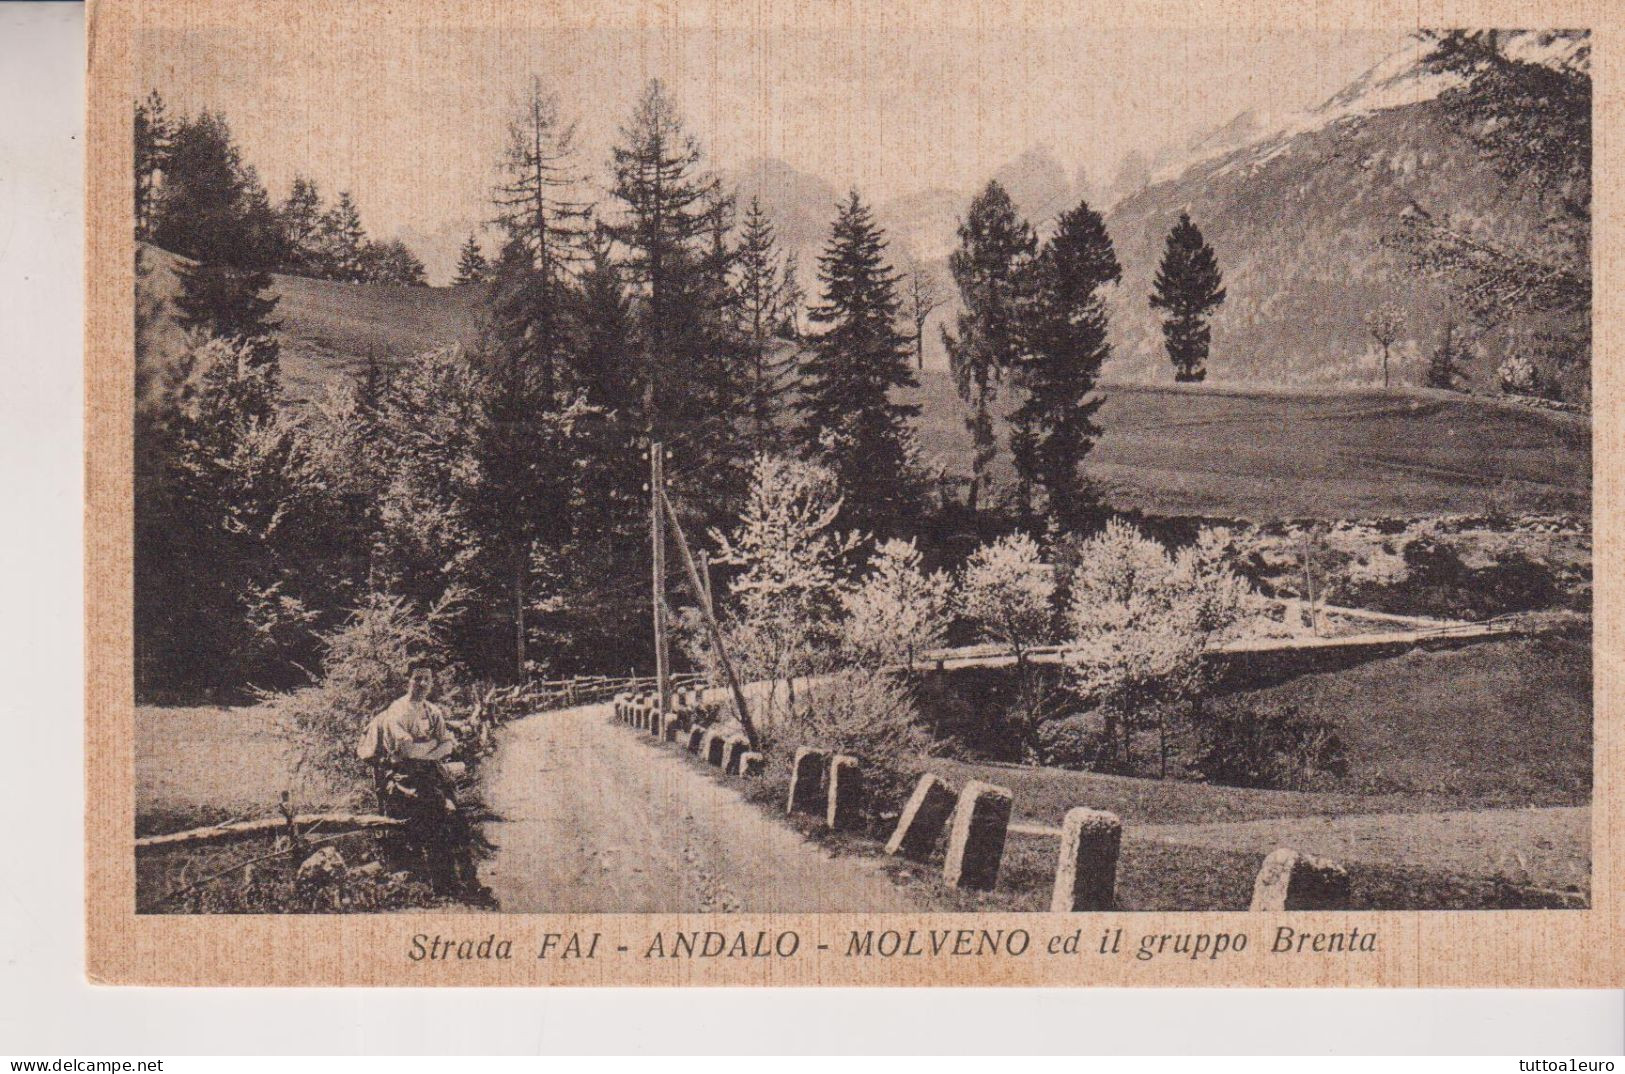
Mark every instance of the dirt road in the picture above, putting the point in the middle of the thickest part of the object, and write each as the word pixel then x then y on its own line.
pixel 597 819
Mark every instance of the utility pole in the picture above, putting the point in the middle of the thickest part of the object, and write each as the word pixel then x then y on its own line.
pixel 705 576
pixel 1309 579
pixel 657 534
pixel 704 597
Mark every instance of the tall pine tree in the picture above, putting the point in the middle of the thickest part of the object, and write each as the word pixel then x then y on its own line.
pixel 528 388
pixel 301 218
pixel 154 139
pixel 994 247
pixel 666 204
pixel 1064 332
pixel 1188 287
pixel 849 419
pixel 672 228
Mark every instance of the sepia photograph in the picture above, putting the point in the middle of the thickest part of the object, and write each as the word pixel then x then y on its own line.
pixel 1029 489
pixel 561 491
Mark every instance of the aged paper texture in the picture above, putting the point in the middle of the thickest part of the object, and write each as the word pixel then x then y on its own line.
pixel 865 494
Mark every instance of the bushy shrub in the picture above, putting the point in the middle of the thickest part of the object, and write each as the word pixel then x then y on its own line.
pixel 364 667
pixel 866 713
pixel 1007 591
pixel 896 611
pixel 1077 741
pixel 1142 622
pixel 1269 746
pixel 786 595
pixel 1437 582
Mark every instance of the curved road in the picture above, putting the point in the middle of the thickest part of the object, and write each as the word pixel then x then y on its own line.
pixel 597 818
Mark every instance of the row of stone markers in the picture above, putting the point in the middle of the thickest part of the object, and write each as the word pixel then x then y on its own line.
pixel 731 753
pixel 975 821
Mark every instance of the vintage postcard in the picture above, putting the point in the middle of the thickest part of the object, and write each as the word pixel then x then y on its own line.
pixel 870 493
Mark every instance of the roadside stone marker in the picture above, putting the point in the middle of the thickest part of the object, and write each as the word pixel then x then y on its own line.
pixel 751 764
pixel 924 817
pixel 674 728
pixel 736 747
pixel 715 745
pixel 1086 875
pixel 1293 881
pixel 976 836
pixel 844 808
pixel 806 774
pixel 696 735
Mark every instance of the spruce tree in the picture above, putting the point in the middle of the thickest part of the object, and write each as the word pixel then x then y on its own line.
pixel 230 303
pixel 528 388
pixel 849 420
pixel 1064 332
pixel 342 241
pixel 673 228
pixel 666 203
pixel 1188 286
pixel 301 219
pixel 213 209
pixel 471 264
pixel 764 295
pixel 994 246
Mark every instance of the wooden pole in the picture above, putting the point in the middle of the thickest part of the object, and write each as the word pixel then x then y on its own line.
pixel 705 577
pixel 657 529
pixel 709 613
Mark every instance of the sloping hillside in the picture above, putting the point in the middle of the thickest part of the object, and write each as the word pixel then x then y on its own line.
pixel 1198 450
pixel 329 327
pixel 1297 208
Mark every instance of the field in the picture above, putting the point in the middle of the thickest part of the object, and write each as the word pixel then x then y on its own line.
pixel 1468 785
pixel 203 765
pixel 328 326
pixel 1497 724
pixel 1269 455
pixel 1221 452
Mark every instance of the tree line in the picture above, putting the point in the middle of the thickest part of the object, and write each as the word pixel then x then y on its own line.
pixel 196 196
pixel 498 487
pixel 1033 325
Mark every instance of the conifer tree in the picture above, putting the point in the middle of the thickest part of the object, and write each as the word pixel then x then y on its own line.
pixel 1188 286
pixel 154 137
pixel 538 196
pixel 471 263
pixel 994 247
pixel 667 206
pixel 342 241
pixel 230 303
pixel 763 288
pixel 1064 333
pixel 301 219
pixel 213 209
pixel 528 388
pixel 850 422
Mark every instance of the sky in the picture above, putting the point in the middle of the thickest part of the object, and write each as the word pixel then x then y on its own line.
pixel 410 120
